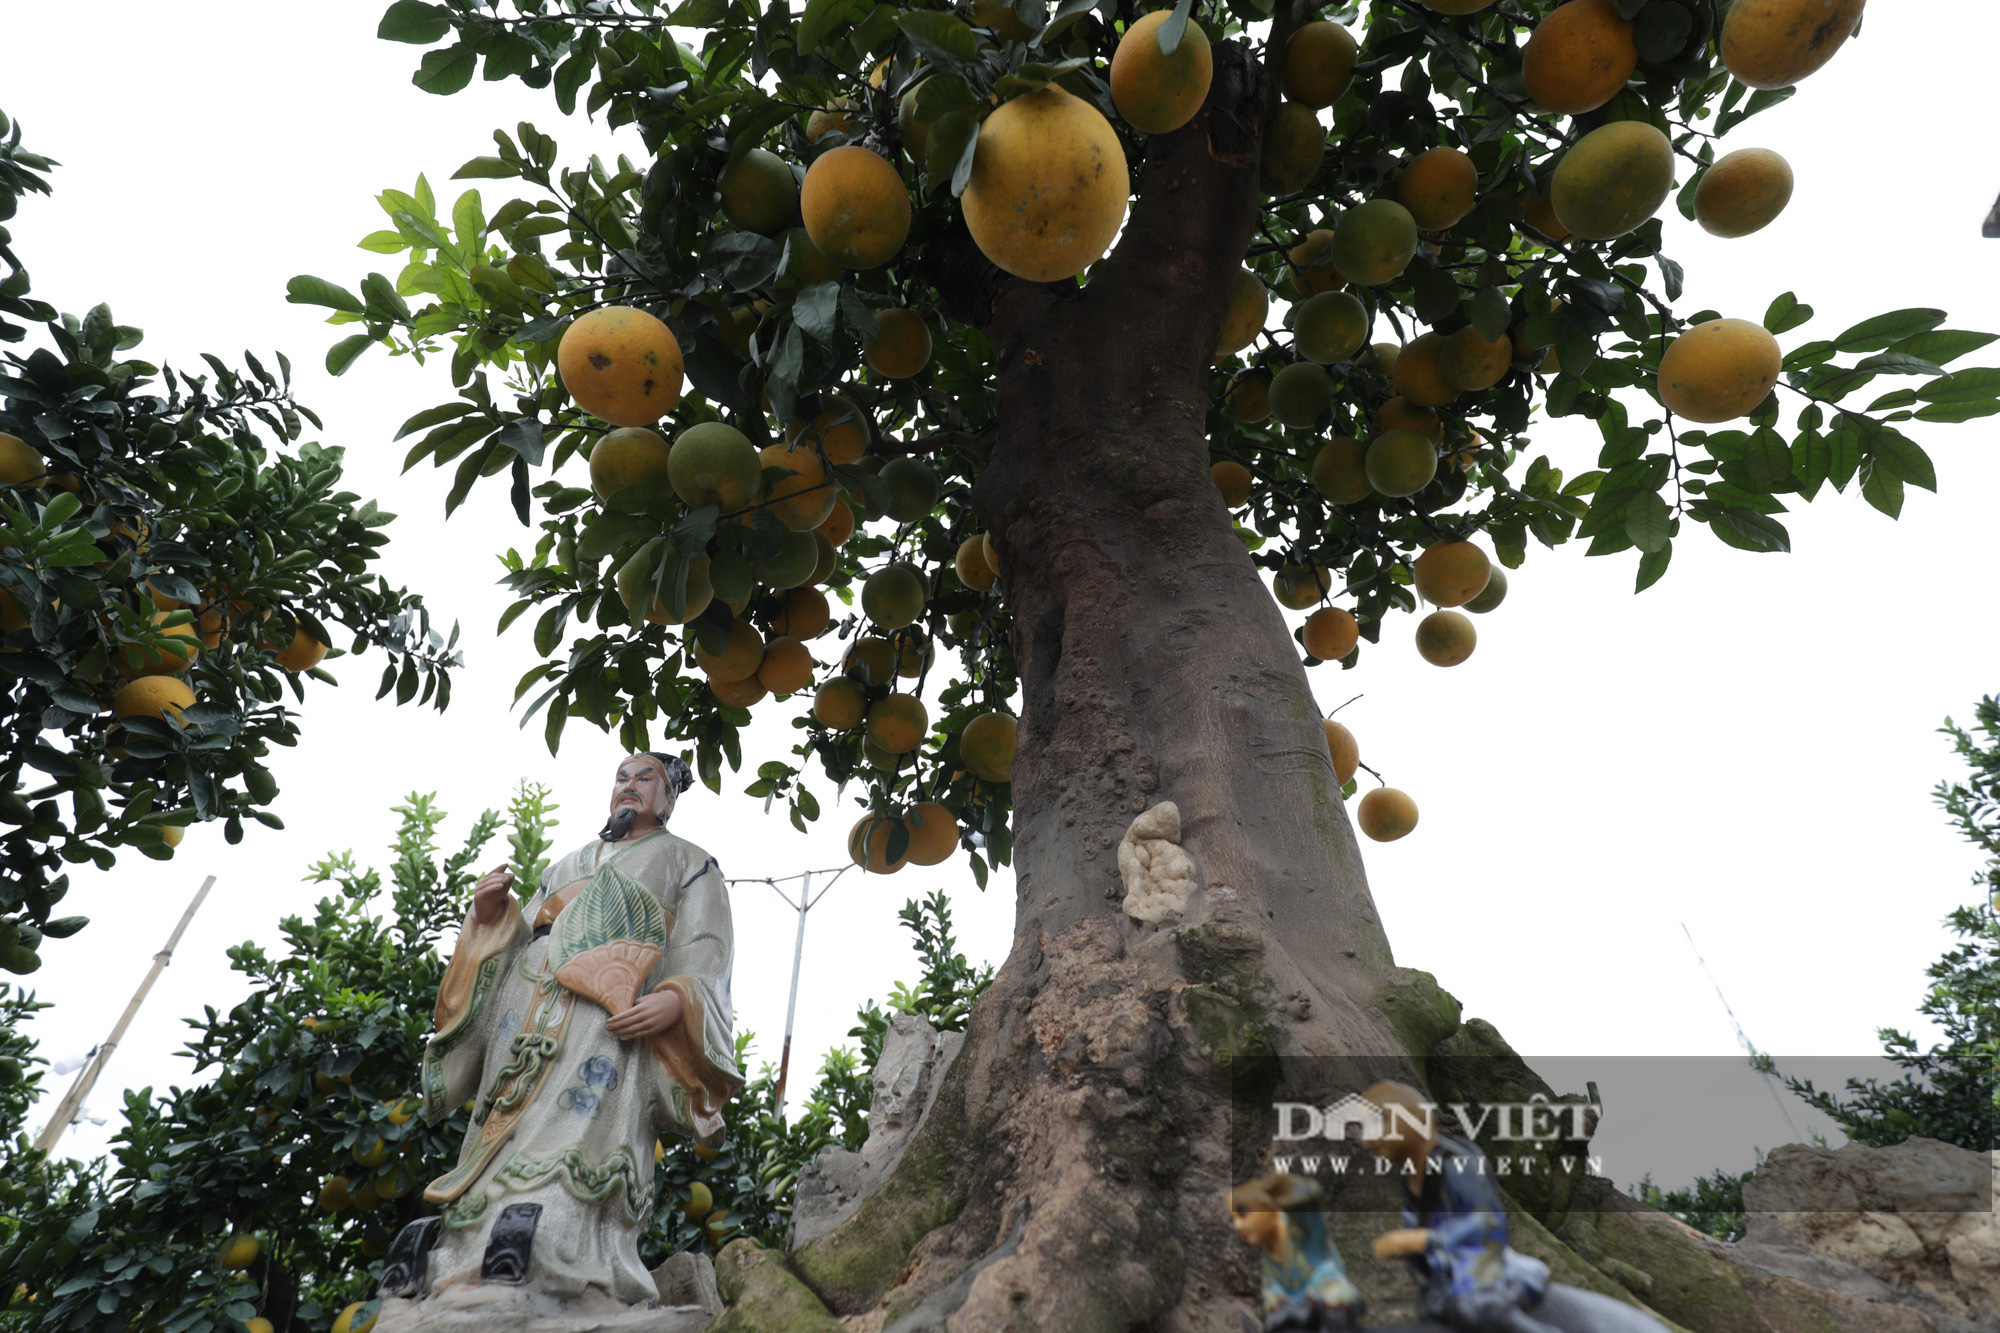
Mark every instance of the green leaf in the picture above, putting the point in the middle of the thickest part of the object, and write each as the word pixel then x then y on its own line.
pixel 1902 456
pixel 1942 346
pixel 1652 565
pixel 1873 335
pixel 383 302
pixel 816 310
pixel 1786 313
pixel 415 22
pixel 308 290
pixel 1957 411
pixel 1767 459
pixel 1881 488
pixel 1648 522
pixel 940 35
pixel 384 242
pixel 1171 32
pixel 1490 314
pixel 1763 532
pixel 820 18
pixel 341 355
pixel 447 71
pixel 486 168
pixel 1976 384
pixel 961 173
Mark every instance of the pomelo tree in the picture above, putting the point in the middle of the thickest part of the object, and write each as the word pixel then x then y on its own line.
pixel 970 318
pixel 173 552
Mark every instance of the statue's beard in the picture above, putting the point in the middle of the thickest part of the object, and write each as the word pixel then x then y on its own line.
pixel 619 825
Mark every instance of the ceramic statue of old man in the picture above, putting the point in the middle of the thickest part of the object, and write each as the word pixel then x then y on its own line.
pixel 583 1026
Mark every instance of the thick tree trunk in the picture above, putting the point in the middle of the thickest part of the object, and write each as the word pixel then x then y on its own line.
pixel 1073 1173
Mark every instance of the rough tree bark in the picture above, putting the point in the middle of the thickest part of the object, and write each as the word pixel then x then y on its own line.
pixel 1073 1173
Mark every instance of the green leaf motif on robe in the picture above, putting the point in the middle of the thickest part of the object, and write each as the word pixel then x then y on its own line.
pixel 614 906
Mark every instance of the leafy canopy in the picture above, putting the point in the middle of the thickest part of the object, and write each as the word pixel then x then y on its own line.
pixel 167 514
pixel 774 335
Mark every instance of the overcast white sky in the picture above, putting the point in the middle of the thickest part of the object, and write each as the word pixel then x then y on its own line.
pixel 1747 748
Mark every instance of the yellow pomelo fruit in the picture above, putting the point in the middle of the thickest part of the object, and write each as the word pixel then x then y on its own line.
pixel 1775 43
pixel 1344 750
pixel 1386 814
pixel 835 119
pixel 146 696
pixel 840 704
pixel 1299 586
pixel 806 265
pixel 1743 192
pixel 840 432
pixel 334 1195
pixel 970 564
pixel 1613 179
pixel 359 1317
pixel 1250 400
pixel 1438 187
pixel 1400 463
pixel 933 832
pixel 1419 377
pixel 1469 362
pixel 787 667
pixel 986 747
pixel 898 723
pixel 1451 573
pixel 1720 370
pixel 1340 472
pixel 736 662
pixel 738 693
pixel 303 653
pixel 621 365
pixel 1445 638
pixel 259 1324
pixel 21 464
pixel 868 844
pixel 630 456
pixel 1313 269
pixel 838 526
pixel 1294 143
pixel 1300 393
pixel 170 659
pixel 239 1253
pixel 1048 188
pixel 1579 57
pixel 802 614
pixel 913 489
pixel 1374 242
pixel 1233 480
pixel 1159 93
pixel 1402 414
pixel 712 463
pixel 636 575
pixel 1381 357
pixel 759 193
pixel 804 500
pixel 998 17
pixel 1249 306
pixel 893 596
pixel 856 207
pixel 1539 212
pixel 1319 63
pixel 871 659
pixel 1330 634
pixel 1492 595
pixel 902 348
pixel 1330 328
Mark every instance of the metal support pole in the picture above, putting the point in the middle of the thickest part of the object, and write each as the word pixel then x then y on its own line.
pixel 792 1003
pixel 72 1101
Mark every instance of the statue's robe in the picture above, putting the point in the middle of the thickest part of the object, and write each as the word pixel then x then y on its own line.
pixel 566 1114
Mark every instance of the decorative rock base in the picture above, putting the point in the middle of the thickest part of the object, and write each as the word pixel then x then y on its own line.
pixel 688 1302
